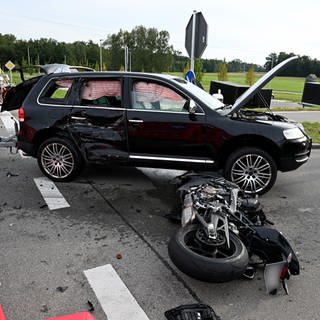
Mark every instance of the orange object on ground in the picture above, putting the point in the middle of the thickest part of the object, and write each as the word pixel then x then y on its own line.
pixel 75 316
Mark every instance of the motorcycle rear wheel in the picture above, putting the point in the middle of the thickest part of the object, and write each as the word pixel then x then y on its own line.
pixel 207 263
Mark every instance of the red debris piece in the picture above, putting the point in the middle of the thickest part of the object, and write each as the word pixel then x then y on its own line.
pixel 2 317
pixel 75 316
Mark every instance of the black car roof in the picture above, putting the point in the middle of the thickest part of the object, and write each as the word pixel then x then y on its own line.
pixel 113 73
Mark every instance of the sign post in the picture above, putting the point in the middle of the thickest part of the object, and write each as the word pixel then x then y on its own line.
pixel 196 37
pixel 10 66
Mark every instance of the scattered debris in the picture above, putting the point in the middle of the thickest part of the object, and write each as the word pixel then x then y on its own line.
pixel 62 289
pixel 90 305
pixel 192 311
pixel 44 308
pixel 119 256
pixel 10 174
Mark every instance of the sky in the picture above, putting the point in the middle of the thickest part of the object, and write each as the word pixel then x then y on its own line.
pixel 248 30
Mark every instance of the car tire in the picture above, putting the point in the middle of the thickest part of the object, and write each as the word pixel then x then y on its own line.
pixel 59 159
pixel 252 169
pixel 202 266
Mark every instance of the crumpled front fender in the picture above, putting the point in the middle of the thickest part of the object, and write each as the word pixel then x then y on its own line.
pixel 272 246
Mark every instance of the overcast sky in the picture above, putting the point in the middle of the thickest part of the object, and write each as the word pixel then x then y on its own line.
pixel 237 29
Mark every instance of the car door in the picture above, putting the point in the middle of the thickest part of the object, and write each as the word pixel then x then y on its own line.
pixel 97 120
pixel 160 126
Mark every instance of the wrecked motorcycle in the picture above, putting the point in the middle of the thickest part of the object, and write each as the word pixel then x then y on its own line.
pixel 224 235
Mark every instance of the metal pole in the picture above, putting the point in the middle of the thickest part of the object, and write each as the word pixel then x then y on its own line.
pixel 101 54
pixel 130 61
pixel 28 51
pixel 193 39
pixel 125 58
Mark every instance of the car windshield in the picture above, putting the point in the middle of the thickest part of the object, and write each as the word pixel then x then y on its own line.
pixel 210 101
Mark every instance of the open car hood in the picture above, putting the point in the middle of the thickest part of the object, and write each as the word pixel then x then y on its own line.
pixel 247 95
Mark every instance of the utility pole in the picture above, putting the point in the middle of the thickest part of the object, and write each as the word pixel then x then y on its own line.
pixel 126 55
pixel 101 54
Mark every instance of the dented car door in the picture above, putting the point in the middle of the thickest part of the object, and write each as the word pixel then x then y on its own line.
pixel 97 119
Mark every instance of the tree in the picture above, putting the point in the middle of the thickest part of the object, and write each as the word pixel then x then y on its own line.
pixel 223 71
pixel 271 61
pixel 150 50
pixel 250 76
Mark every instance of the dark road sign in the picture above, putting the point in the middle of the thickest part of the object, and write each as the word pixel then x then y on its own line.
pixel 200 35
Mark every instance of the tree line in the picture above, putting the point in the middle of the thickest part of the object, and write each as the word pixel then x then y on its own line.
pixel 149 51
pixel 301 67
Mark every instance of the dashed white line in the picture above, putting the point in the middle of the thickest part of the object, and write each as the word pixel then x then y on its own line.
pixel 114 297
pixel 51 194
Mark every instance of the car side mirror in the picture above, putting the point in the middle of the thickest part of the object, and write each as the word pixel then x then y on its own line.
pixel 192 107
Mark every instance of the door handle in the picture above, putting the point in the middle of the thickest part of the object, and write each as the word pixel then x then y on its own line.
pixel 78 118
pixel 136 121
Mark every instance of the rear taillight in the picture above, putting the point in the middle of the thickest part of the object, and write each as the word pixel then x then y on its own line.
pixel 21 115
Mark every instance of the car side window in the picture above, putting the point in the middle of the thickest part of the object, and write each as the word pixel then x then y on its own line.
pixel 101 93
pixel 56 92
pixel 155 96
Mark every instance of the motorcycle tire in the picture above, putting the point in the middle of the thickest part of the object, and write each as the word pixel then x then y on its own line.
pixel 223 267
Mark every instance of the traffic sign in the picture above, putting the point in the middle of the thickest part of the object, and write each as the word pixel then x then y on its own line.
pixel 10 65
pixel 197 30
pixel 190 76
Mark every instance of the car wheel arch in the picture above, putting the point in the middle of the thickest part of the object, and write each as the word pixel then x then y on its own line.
pixel 49 133
pixel 248 141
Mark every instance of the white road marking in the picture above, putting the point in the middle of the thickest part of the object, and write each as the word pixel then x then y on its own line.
pixel 51 194
pixel 114 297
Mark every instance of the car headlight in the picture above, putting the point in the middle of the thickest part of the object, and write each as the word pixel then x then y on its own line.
pixel 294 133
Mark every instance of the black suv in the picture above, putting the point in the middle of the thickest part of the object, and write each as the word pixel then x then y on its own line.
pixel 153 120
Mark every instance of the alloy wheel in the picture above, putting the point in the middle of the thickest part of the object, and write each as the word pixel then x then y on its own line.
pixel 57 160
pixel 251 172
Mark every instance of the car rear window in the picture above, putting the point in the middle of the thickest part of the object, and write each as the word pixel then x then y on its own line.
pixel 56 92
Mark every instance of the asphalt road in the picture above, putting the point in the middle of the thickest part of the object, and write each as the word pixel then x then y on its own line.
pixel 114 210
pixel 302 116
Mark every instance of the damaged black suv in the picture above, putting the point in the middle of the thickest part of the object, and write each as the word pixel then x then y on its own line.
pixel 153 120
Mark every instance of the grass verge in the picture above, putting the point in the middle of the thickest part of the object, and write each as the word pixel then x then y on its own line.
pixel 313 130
